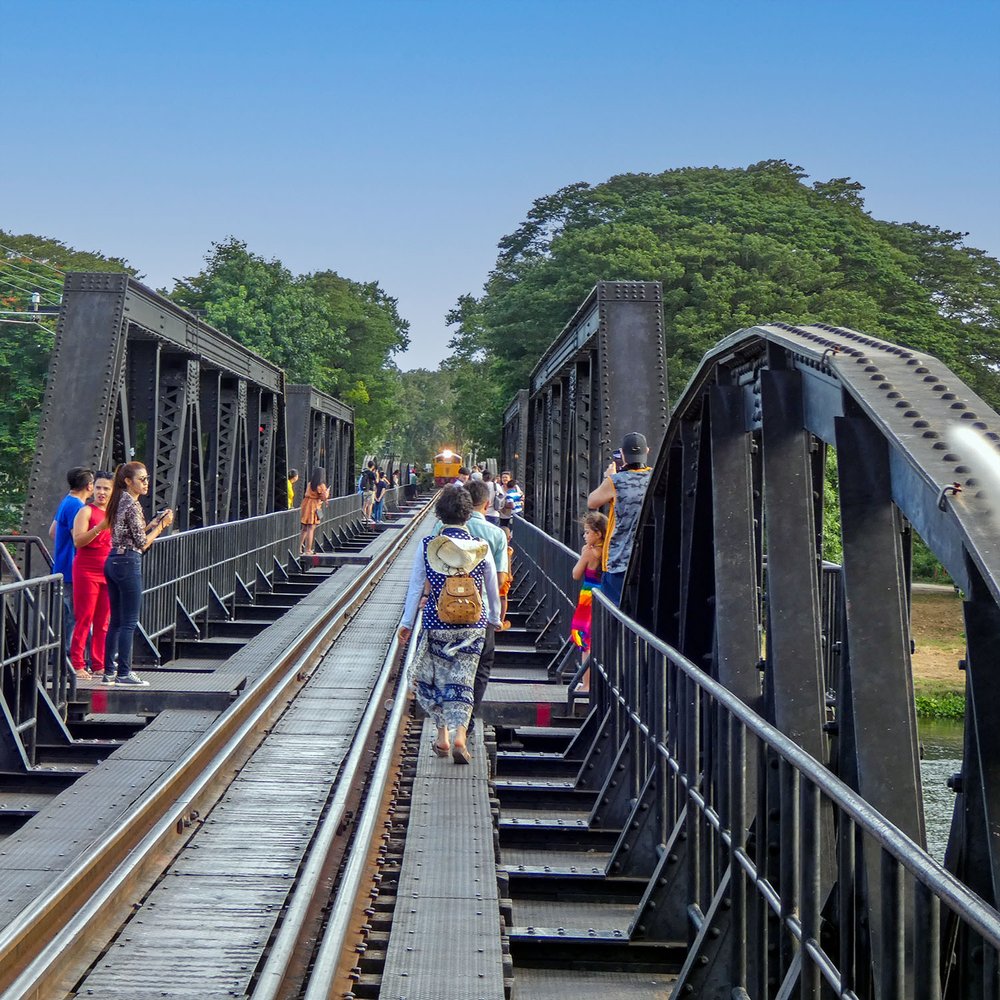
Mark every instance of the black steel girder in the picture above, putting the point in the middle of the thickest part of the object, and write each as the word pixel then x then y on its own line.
pixel 133 376
pixel 913 446
pixel 603 376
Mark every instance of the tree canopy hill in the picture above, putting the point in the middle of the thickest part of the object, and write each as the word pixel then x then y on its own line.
pixel 732 247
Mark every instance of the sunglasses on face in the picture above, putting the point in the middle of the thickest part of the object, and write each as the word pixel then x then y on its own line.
pixel 141 479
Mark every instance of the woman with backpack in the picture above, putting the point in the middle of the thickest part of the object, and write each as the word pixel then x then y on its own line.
pixel 449 576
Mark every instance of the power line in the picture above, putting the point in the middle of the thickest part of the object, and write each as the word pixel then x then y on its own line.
pixel 38 277
pixel 40 263
pixel 29 291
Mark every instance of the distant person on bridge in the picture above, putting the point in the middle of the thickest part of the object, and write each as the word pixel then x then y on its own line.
pixel 624 487
pixel 492 510
pixel 457 568
pixel 81 486
pixel 313 501
pixel 293 478
pixel 382 485
pixel 90 586
pixel 500 500
pixel 514 504
pixel 587 570
pixel 411 483
pixel 130 537
pixel 368 480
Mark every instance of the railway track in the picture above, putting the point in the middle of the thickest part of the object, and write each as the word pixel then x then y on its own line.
pixel 321 726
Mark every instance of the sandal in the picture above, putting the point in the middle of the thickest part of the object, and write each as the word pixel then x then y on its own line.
pixel 440 751
pixel 460 755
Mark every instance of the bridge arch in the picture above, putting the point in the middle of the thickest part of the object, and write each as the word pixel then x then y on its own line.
pixel 728 566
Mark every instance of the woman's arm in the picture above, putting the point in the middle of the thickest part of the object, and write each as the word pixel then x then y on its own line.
pixel 82 533
pixel 582 563
pixel 492 590
pixel 415 590
pixel 156 527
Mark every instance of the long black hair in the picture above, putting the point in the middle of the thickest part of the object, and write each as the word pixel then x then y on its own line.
pixel 316 478
pixel 118 486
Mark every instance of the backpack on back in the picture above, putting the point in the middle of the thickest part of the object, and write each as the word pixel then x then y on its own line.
pixel 460 602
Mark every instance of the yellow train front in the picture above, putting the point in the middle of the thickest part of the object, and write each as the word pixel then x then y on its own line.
pixel 446 466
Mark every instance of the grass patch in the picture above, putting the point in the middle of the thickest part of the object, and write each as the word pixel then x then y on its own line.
pixel 940 704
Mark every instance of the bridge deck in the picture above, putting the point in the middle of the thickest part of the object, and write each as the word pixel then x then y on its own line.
pixel 446 928
pixel 207 924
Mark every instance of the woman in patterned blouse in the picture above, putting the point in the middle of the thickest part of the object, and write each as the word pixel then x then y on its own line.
pixel 130 537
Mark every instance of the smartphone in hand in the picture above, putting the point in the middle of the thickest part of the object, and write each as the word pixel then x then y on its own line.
pixel 619 459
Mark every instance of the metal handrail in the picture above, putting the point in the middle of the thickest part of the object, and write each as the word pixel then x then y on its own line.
pixel 983 918
pixel 711 768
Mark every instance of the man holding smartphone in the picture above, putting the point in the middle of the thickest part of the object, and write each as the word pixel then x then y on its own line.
pixel 624 487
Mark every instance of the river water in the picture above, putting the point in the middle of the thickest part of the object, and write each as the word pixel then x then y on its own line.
pixel 942 745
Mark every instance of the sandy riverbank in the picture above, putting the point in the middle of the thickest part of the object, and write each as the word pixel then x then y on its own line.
pixel 939 637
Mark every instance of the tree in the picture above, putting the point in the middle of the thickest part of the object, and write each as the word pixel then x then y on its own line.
pixel 260 304
pixel 30 264
pixel 366 377
pixel 333 333
pixel 732 248
pixel 424 422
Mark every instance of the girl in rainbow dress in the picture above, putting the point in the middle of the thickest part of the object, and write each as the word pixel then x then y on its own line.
pixel 587 569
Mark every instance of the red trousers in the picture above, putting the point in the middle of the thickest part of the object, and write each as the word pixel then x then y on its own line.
pixel 91 607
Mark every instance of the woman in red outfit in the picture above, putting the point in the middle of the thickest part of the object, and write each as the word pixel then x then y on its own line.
pixel 90 588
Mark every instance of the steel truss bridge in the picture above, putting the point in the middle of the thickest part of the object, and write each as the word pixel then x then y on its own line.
pixel 133 376
pixel 727 572
pixel 736 810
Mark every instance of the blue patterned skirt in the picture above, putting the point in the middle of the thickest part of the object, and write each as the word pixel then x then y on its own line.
pixel 444 668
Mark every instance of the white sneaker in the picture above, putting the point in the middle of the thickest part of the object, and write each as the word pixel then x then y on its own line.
pixel 132 680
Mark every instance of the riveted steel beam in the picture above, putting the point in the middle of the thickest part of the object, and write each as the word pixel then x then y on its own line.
pixel 134 376
pixel 602 377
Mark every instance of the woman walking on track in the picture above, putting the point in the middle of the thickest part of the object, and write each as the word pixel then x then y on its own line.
pixel 90 588
pixel 130 537
pixel 313 500
pixel 454 626
pixel 587 569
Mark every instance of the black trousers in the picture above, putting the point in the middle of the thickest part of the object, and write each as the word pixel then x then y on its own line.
pixel 483 671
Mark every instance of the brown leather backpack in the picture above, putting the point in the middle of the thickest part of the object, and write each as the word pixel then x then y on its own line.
pixel 460 602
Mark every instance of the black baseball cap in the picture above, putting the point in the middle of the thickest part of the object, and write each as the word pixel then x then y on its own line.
pixel 634 447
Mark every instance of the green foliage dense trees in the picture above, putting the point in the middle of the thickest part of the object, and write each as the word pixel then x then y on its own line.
pixel 336 334
pixel 424 420
pixel 30 264
pixel 732 247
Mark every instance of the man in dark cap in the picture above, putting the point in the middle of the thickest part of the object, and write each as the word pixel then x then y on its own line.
pixel 624 488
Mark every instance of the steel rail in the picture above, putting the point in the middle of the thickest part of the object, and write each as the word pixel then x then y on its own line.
pixel 272 976
pixel 111 875
pixel 328 955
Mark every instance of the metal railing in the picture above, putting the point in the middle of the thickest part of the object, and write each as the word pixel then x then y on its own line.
pixel 782 879
pixel 194 576
pixel 33 673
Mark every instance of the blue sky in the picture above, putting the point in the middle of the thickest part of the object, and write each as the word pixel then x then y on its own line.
pixel 399 141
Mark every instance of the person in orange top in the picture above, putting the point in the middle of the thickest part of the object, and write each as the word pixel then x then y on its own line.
pixel 314 499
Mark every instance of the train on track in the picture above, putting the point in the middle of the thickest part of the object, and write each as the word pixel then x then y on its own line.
pixel 446 466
